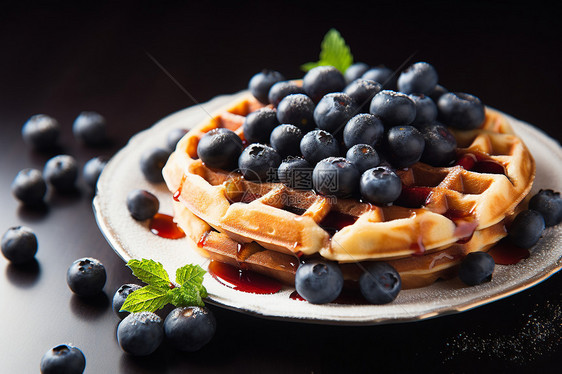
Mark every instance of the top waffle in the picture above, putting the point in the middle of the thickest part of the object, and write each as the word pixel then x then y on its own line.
pixel 439 205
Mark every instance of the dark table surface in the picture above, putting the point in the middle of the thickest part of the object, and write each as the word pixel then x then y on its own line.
pixel 60 60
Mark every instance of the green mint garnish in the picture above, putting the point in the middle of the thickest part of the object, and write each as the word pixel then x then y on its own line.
pixel 333 52
pixel 160 291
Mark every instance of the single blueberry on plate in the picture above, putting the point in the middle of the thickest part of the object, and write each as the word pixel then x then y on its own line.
pixel 363 129
pixel 261 83
pixel 383 75
pixel 86 277
pixel 362 92
pixel 286 139
pixel 476 268
pixel 259 162
pixel 380 283
pixel 19 244
pixel 119 299
pixel 363 156
pixel 190 328
pixel 29 187
pixel 279 90
pixel 92 170
pixel 296 172
pixel 140 334
pixel 393 108
pixel 549 204
pixel 151 163
pixel 322 80
pixel 336 176
pixel 333 111
pixel 63 359
pixel 460 110
pixel 526 229
pixel 259 124
pixel 220 149
pixel 298 110
pixel 317 145
pixel 405 145
pixel 355 71
pixel 319 282
pixel 426 110
pixel 440 145
pixel 90 128
pixel 41 132
pixel 380 185
pixel 418 78
pixel 61 172
pixel 142 205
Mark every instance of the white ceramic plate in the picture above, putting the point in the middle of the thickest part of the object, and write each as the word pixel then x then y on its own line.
pixel 132 239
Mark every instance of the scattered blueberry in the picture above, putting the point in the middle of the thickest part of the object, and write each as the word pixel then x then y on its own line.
pixel 259 124
pixel 174 137
pixel 86 277
pixel 63 359
pixel 405 145
pixel 259 162
pixel 90 128
pixel 426 110
pixel 120 296
pixel 380 283
pixel 363 156
pixel 19 245
pixel 437 92
pixel 41 132
pixel 260 84
pixel 286 139
pixel 220 148
pixel 319 282
pixel 526 229
pixel 92 170
pixel 382 75
pixel 549 204
pixel 29 187
pixel 380 185
pixel 298 110
pixel 393 108
pixel 151 163
pixel 317 145
pixel 476 268
pixel 189 328
pixel 322 80
pixel 61 172
pixel 142 204
pixel 418 78
pixel 140 334
pixel 355 71
pixel 440 145
pixel 295 172
pixel 460 110
pixel 281 89
pixel 363 129
pixel 333 111
pixel 335 176
pixel 362 92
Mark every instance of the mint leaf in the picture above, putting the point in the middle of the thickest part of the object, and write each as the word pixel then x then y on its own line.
pixel 190 274
pixel 334 51
pixel 187 295
pixel 150 271
pixel 147 299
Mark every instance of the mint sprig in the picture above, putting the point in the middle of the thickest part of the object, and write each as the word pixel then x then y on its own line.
pixel 334 51
pixel 160 291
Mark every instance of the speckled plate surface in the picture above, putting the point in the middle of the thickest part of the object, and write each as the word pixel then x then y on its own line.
pixel 132 239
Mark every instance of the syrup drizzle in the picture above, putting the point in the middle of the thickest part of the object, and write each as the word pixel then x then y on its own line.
pixel 506 253
pixel 414 196
pixel 480 164
pixel 164 226
pixel 242 279
pixel 335 221
pixel 177 194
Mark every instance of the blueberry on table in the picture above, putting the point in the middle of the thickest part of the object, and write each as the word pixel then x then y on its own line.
pixel 549 204
pixel 418 78
pixel 41 132
pixel 188 329
pixel 319 282
pixel 63 359
pixel 393 108
pixel 333 111
pixel 92 170
pixel 119 298
pixel 426 109
pixel 317 145
pixel 259 162
pixel 362 92
pixel 405 145
pixel 151 163
pixel 261 83
pixel 295 172
pixel 279 90
pixel 336 176
pixel 298 110
pixel 259 124
pixel 476 268
pixel 355 71
pixel 220 148
pixel 460 110
pixel 363 129
pixel 19 244
pixel 380 185
pixel 383 75
pixel 440 145
pixel 140 334
pixel 61 172
pixel 363 156
pixel 90 128
pixel 29 187
pixel 86 277
pixel 142 205
pixel 380 283
pixel 322 80
pixel 174 137
pixel 286 139
pixel 526 229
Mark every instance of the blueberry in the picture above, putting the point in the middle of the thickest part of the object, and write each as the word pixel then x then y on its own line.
pixel 140 334
pixel 322 80
pixel 380 283
pixel 419 78
pixel 333 111
pixel 63 359
pixel 188 329
pixel 281 89
pixel 259 162
pixel 92 170
pixel 440 145
pixel 142 204
pixel 319 282
pixel 29 187
pixel 476 268
pixel 460 110
pixel 86 277
pixel 393 108
pixel 19 245
pixel 335 176
pixel 437 92
pixel 383 75
pixel 259 124
pixel 355 71
pixel 41 132
pixel 549 204
pixel 174 137
pixel 362 92
pixel 286 139
pixel 526 229
pixel 120 296
pixel 61 172
pixel 220 149
pixel 426 110
pixel 363 129
pixel 151 163
pixel 405 145
pixel 317 145
pixel 90 128
pixel 296 172
pixel 363 156
pixel 260 84
pixel 380 185
pixel 298 110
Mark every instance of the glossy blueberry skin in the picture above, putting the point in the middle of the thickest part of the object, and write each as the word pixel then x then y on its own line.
pixel 476 268
pixel 393 108
pixel 426 109
pixel 90 128
pixel 380 283
pixel 61 172
pixel 140 334
pixel 336 176
pixel 362 92
pixel 142 205
pixel 355 71
pixel 549 204
pixel 418 78
pixel 41 132
pixel 322 80
pixel 333 111
pixel 188 329
pixel 174 137
pixel 86 277
pixel 29 187
pixel 259 162
pixel 279 90
pixel 319 282
pixel 363 129
pixel 92 170
pixel 460 110
pixel 380 185
pixel 19 245
pixel 261 83
pixel 526 229
pixel 437 92
pixel 317 145
pixel 405 145
pixel 382 75
pixel 298 110
pixel 220 149
pixel 151 163
pixel 119 298
pixel 440 145
pixel 363 156
pixel 259 124
pixel 63 359
pixel 296 172
pixel 286 139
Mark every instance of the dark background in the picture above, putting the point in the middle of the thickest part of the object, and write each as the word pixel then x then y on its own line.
pixel 60 59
